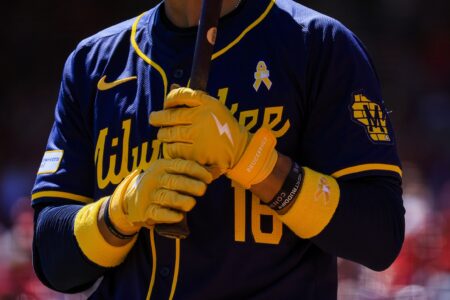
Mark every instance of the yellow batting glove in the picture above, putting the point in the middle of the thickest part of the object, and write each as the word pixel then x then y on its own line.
pixel 158 195
pixel 198 127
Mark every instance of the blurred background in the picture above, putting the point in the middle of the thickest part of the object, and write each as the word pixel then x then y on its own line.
pixel 409 41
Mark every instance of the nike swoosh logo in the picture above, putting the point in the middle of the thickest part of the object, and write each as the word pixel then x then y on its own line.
pixel 223 128
pixel 102 85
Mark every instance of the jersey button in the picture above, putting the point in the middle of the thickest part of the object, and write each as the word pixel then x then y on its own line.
pixel 178 73
pixel 164 271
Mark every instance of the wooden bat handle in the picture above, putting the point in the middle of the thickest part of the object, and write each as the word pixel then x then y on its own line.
pixel 204 46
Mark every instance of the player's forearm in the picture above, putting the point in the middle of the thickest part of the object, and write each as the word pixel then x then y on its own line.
pixel 80 246
pixel 106 232
pixel 366 225
pixel 268 188
pixel 57 258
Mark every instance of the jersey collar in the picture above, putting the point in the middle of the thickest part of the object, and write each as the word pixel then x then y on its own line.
pixel 151 28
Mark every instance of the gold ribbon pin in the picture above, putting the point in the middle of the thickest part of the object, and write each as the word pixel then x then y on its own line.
pixel 262 75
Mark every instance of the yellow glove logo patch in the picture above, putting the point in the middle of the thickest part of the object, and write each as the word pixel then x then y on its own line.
pixel 372 117
pixel 262 76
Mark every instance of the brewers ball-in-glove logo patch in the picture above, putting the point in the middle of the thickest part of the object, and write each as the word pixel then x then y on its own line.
pixel 370 115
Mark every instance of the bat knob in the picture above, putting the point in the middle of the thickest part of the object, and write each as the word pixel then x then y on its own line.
pixel 174 231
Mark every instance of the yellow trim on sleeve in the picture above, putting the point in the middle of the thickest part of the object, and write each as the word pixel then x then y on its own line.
pixel 145 57
pixel 91 241
pixel 152 278
pixel 314 206
pixel 246 30
pixel 367 167
pixel 64 195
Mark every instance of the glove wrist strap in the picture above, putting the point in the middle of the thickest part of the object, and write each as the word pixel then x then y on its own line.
pixel 258 160
pixel 116 212
pixel 111 226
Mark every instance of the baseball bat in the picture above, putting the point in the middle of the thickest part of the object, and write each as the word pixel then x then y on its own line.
pixel 204 46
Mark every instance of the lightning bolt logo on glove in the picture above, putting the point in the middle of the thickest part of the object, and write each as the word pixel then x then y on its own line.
pixel 193 125
pixel 223 129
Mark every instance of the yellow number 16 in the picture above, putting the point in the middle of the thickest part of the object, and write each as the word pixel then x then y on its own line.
pixel 257 211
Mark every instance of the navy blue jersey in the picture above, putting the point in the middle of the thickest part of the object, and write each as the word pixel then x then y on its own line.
pixel 277 64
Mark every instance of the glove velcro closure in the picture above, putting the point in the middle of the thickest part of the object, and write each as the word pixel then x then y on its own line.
pixel 91 241
pixel 315 205
pixel 116 211
pixel 258 160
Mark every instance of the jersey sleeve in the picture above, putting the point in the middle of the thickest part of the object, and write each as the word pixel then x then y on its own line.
pixel 67 168
pixel 348 131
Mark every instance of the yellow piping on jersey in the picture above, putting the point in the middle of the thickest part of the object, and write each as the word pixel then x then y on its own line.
pixel 145 57
pixel 176 269
pixel 154 258
pixel 245 31
pixel 367 167
pixel 152 278
pixel 165 82
pixel 64 195
pixel 214 56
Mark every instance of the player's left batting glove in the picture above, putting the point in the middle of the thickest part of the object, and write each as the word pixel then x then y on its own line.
pixel 198 127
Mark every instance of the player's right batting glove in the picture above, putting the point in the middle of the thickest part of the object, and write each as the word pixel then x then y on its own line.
pixel 198 127
pixel 158 195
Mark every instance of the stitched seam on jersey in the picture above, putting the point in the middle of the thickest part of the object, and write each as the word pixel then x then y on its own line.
pixel 64 195
pixel 145 57
pixel 368 167
pixel 152 277
pixel 176 269
pixel 245 31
